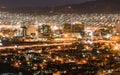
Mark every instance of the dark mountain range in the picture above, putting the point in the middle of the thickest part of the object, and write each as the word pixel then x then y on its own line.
pixel 98 6
pixel 34 3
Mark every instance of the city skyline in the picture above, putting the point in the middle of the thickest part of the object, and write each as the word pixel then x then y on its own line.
pixel 59 37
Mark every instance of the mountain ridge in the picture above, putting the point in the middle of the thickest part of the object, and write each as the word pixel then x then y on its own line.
pixel 98 6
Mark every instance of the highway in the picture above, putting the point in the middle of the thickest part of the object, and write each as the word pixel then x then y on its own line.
pixel 34 45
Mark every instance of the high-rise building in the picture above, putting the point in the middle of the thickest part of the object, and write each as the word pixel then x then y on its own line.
pixel 23 31
pixel 76 29
pixel 44 30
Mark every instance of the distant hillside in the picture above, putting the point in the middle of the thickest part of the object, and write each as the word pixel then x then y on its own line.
pixel 98 6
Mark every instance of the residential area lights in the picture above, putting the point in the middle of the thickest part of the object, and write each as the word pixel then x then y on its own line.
pixel 85 44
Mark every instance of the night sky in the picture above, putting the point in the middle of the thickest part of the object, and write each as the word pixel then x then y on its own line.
pixel 24 3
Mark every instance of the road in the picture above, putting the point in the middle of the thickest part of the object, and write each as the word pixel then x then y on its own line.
pixel 34 45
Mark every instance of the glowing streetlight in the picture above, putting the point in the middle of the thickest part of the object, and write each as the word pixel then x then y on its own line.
pixel 55 28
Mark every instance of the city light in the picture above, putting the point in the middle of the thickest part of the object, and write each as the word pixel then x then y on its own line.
pixel 61 43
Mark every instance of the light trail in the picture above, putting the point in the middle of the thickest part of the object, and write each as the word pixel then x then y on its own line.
pixel 41 45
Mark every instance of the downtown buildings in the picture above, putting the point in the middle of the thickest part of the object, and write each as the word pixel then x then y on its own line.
pixel 58 25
